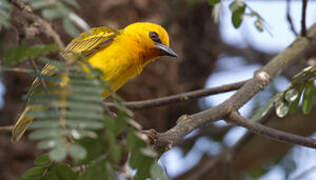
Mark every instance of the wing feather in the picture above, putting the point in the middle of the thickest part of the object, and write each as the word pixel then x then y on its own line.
pixel 85 45
pixel 90 42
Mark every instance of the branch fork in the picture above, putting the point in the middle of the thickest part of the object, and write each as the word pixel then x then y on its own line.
pixel 229 109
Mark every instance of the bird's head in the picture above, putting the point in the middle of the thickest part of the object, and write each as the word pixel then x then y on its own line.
pixel 152 40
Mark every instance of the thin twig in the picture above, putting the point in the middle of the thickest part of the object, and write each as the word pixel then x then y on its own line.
pixel 15 69
pixel 48 30
pixel 272 133
pixel 289 18
pixel 34 65
pixel 303 21
pixel 249 135
pixel 180 97
pixel 6 128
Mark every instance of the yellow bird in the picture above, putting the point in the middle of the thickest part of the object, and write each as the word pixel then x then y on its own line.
pixel 120 54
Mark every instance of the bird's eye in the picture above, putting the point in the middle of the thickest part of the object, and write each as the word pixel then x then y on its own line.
pixel 155 37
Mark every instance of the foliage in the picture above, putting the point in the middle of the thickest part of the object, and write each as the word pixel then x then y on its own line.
pixel 289 99
pixel 70 122
pixel 5 9
pixel 239 13
pixel 302 87
pixel 60 9
pixel 23 52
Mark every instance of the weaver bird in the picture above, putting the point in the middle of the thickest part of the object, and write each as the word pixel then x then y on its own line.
pixel 120 54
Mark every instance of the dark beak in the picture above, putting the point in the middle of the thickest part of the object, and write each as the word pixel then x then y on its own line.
pixel 165 50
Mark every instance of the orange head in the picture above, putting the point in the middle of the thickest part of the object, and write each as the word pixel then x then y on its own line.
pixel 151 40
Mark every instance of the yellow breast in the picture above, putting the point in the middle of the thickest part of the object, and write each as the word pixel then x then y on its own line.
pixel 119 62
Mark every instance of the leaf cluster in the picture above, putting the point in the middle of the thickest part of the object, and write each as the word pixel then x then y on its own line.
pixel 302 88
pixel 71 125
pixel 58 9
pixel 5 9
pixel 238 9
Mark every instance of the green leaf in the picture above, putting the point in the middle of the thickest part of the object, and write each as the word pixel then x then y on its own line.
pixel 39 4
pixel 308 97
pixel 4 14
pixel 95 107
pixel 72 105
pixel 57 64
pixel 78 134
pixel 45 114
pixel 51 143
pixel 139 159
pixel 258 172
pixel 46 77
pixel 157 172
pixel 117 125
pixel 20 53
pixel 291 95
pixel 50 175
pixel 262 111
pixel 134 143
pixel 83 115
pixel 45 133
pixel 87 98
pixel 5 4
pixel 213 2
pixel 53 13
pixel 143 168
pixel 148 152
pixel 70 28
pixel 84 90
pixel 95 148
pixel 114 148
pixel 295 103
pixel 42 160
pixel 97 171
pixel 43 96
pixel 5 11
pixel 34 172
pixel 49 114
pixel 76 80
pixel 77 152
pixel 64 172
pixel 44 124
pixel 282 108
pixel 58 154
pixel 238 10
pixel 72 3
pixel 84 124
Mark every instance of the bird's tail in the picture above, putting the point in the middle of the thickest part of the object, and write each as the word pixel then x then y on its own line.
pixel 21 125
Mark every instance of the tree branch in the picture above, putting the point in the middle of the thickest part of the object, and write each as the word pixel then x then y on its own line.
pixel 187 123
pixel 6 128
pixel 289 18
pixel 20 70
pixel 303 21
pixel 249 135
pixel 272 133
pixel 48 30
pixel 180 97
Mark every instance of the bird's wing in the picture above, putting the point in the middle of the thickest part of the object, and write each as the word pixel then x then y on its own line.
pixel 90 42
pixel 85 45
